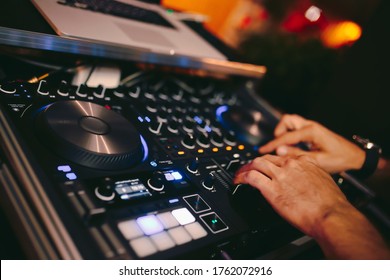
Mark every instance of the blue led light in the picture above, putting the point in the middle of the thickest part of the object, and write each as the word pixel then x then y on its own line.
pixel 71 176
pixel 140 119
pixel 220 110
pixel 146 150
pixel 153 163
pixel 64 168
pixel 208 129
pixel 148 119
pixel 198 119
pixel 174 200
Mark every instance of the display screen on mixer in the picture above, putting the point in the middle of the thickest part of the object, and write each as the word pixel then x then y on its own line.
pixel 130 189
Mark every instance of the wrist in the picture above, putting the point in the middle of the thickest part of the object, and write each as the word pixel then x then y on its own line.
pixel 335 225
pixel 371 154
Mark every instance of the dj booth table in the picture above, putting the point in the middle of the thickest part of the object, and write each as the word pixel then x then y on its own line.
pixel 140 171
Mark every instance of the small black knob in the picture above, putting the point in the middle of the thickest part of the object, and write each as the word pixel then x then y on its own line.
pixel 151 106
pixel 216 139
pixel 155 127
pixel 157 181
pixel 188 141
pixel 105 192
pixel 162 115
pixel 203 141
pixel 8 88
pixel 82 90
pixel 208 182
pixel 63 88
pixel 188 126
pixel 99 91
pixel 173 126
pixel 193 166
pixel 230 139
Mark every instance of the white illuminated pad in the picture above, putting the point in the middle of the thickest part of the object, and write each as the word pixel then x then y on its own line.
pixel 162 241
pixel 183 216
pixel 167 220
pixel 179 235
pixel 143 246
pixel 150 224
pixel 177 175
pixel 196 230
pixel 130 229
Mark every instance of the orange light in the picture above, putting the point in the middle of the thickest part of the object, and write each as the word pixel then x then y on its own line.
pixel 340 34
pixel 241 147
pixel 200 151
pixel 229 148
pixel 180 153
pixel 215 150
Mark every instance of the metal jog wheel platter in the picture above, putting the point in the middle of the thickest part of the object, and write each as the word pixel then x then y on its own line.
pixel 90 135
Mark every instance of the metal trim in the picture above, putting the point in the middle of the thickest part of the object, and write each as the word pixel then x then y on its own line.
pixel 39 41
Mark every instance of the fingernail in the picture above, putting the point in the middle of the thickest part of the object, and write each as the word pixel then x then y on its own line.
pixel 281 151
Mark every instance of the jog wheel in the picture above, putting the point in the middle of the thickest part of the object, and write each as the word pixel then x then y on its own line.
pixel 90 135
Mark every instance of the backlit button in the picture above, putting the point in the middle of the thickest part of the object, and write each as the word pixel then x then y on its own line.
pixel 162 241
pixel 130 229
pixel 196 230
pixel 183 216
pixel 179 235
pixel 143 247
pixel 214 222
pixel 197 203
pixel 168 220
pixel 150 224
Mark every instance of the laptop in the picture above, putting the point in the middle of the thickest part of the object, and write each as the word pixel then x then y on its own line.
pixel 130 23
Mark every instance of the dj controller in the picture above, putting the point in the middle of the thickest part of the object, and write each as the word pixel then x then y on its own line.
pixel 141 171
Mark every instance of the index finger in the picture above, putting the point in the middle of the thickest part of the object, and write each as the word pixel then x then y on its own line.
pixel 290 138
pixel 288 123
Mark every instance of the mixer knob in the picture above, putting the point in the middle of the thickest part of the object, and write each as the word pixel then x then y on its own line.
pixel 8 88
pixel 157 181
pixel 203 141
pixel 193 166
pixel 155 127
pixel 151 106
pixel 230 139
pixel 162 115
pixel 208 183
pixel 82 90
pixel 216 139
pixel 99 92
pixel 188 126
pixel 63 89
pixel 105 192
pixel 188 141
pixel 173 126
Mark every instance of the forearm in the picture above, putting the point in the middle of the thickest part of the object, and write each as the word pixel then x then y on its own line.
pixel 347 234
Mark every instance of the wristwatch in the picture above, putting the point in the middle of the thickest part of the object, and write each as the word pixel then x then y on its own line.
pixel 373 154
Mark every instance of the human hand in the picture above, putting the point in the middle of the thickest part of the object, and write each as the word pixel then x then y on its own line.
pixel 307 197
pixel 332 152
pixel 299 190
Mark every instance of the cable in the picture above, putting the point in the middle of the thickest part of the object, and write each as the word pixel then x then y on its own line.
pixel 58 71
pixel 93 67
